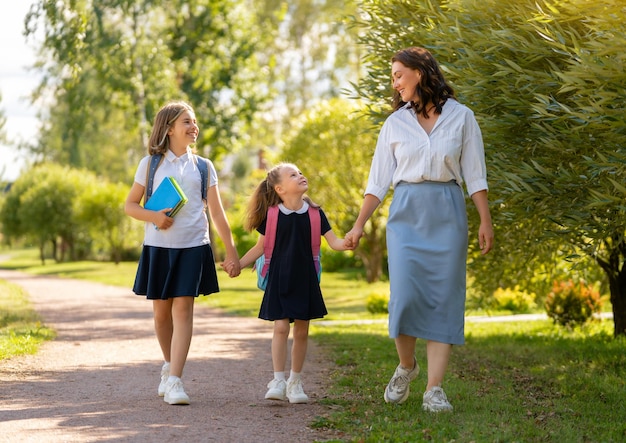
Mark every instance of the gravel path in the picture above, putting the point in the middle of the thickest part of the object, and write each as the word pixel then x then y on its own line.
pixel 97 381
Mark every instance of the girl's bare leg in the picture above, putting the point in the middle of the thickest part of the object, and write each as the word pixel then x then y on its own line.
pixel 279 344
pixel 163 326
pixel 182 319
pixel 300 343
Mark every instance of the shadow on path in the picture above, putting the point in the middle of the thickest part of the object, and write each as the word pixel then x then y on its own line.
pixel 97 381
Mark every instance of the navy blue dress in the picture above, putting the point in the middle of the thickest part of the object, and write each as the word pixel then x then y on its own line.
pixel 293 290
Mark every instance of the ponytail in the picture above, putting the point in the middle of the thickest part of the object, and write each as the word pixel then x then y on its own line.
pixel 263 197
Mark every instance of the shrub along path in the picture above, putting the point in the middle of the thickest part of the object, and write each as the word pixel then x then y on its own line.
pixel 97 381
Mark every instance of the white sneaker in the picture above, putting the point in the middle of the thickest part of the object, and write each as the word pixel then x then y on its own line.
pixel 277 390
pixel 165 374
pixel 435 400
pixel 397 391
pixel 175 393
pixel 295 392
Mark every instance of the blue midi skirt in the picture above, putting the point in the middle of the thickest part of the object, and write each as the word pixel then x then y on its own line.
pixel 427 247
pixel 166 273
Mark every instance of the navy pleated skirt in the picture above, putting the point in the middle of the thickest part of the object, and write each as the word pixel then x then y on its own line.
pixel 165 273
pixel 427 247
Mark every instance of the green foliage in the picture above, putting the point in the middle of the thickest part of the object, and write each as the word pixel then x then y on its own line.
pixel 111 73
pixel 41 206
pixel 76 213
pixel 571 304
pixel 100 207
pixel 514 300
pixel 337 261
pixel 377 303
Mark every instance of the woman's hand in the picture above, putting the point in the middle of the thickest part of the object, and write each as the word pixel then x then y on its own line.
pixel 352 238
pixel 485 238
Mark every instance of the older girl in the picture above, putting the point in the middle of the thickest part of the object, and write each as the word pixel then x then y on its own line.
pixel 177 263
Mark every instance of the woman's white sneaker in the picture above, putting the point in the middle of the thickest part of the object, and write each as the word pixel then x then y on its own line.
pixel 397 390
pixel 435 400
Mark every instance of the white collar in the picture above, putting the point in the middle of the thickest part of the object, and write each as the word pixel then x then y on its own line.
pixel 302 210
pixel 183 158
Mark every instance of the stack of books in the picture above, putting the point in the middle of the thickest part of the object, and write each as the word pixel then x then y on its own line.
pixel 169 194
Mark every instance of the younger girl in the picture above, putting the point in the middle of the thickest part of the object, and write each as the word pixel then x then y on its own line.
pixel 293 292
pixel 176 263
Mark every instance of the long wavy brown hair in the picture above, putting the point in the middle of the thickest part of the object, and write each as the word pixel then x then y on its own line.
pixel 432 86
pixel 265 196
pixel 159 141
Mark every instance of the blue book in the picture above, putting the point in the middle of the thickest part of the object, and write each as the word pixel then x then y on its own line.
pixel 168 195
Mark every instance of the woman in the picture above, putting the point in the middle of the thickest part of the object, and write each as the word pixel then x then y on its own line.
pixel 426 148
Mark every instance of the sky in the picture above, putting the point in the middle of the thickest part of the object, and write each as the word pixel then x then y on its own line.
pixel 16 84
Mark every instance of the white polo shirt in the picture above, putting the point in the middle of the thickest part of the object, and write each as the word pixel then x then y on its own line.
pixel 190 227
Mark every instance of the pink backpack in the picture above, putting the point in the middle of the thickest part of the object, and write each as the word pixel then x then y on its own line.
pixel 262 264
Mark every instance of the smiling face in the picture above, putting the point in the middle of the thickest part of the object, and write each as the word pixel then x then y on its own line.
pixel 184 130
pixel 292 181
pixel 405 81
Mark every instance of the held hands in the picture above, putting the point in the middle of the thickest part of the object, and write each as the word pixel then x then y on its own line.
pixel 351 240
pixel 232 267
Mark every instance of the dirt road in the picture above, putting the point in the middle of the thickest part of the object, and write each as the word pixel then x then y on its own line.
pixel 97 381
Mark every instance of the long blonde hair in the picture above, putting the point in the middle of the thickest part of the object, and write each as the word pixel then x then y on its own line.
pixel 265 196
pixel 159 141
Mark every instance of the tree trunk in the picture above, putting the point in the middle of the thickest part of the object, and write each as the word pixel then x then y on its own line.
pixel 617 285
pixel 615 258
pixel 42 254
pixel 54 250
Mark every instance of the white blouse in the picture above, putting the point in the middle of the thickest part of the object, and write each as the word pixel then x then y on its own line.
pixel 191 226
pixel 406 153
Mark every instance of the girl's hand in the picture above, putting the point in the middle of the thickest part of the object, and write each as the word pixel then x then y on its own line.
pixel 352 238
pixel 161 220
pixel 232 266
pixel 229 267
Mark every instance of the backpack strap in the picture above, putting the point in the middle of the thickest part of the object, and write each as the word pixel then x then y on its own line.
pixel 270 237
pixel 155 162
pixel 203 167
pixel 316 235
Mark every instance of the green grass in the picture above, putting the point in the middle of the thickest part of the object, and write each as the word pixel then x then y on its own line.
pixel 511 382
pixel 21 331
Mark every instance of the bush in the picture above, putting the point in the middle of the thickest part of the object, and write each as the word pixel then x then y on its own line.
pixel 572 303
pixel 514 300
pixel 377 303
